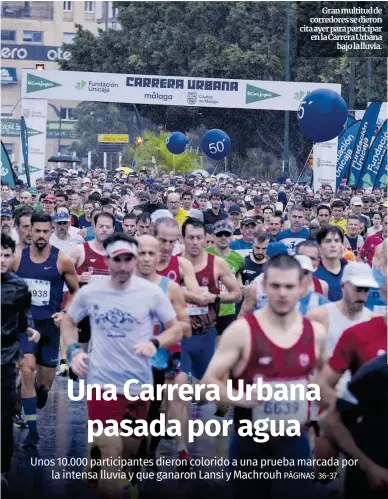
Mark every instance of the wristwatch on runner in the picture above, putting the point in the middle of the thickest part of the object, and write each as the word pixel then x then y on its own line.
pixel 155 342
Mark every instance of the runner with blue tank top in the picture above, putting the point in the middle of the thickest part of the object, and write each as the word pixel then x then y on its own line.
pixel 330 240
pixel 44 269
pixel 166 365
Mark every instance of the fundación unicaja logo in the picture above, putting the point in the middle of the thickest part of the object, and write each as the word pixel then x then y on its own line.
pixel 255 94
pixel 36 83
pixel 80 85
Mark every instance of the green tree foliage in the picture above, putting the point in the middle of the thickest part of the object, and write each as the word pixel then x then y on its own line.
pixel 155 146
pixel 235 40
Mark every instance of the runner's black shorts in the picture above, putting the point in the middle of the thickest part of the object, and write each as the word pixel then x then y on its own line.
pixel 223 322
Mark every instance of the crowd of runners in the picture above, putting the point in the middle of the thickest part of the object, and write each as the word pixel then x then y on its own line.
pixel 180 279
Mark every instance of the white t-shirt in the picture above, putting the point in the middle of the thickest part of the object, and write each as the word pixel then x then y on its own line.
pixel 119 319
pixel 66 245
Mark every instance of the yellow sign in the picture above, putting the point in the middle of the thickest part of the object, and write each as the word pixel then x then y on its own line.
pixel 113 138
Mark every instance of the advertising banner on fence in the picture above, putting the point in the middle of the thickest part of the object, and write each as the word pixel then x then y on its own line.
pixel 374 159
pixel 35 114
pixel 346 143
pixel 325 163
pixel 382 180
pixel 11 128
pixel 167 90
pixel 363 141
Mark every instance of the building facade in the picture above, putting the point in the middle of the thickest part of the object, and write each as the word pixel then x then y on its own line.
pixel 32 34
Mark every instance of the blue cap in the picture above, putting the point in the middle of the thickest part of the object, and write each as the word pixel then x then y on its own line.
pixel 62 216
pixel 6 213
pixel 276 249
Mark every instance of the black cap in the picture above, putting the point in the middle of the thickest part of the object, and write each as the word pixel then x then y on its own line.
pixel 248 220
pixel 235 208
pixel 257 200
pixel 215 193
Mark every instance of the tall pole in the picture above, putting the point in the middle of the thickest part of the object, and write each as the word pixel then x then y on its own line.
pixel 60 129
pixel 286 146
pixel 368 80
pixel 352 83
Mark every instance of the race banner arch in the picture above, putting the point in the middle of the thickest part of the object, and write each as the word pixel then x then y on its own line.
pixel 169 91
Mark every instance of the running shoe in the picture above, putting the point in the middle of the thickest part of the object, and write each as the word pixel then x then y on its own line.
pixel 19 422
pixel 62 370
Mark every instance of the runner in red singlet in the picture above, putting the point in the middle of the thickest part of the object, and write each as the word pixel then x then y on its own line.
pixel 89 259
pixel 277 345
pixel 210 270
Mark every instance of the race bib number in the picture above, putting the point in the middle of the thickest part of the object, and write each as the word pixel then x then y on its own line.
pixel 286 409
pixel 40 292
pixel 193 309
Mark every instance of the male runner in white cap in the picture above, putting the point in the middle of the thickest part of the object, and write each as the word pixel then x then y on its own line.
pixel 122 312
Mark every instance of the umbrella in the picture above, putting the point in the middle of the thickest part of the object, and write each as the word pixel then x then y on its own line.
pixel 64 158
pixel 125 169
pixel 232 175
pixel 222 175
pixel 204 173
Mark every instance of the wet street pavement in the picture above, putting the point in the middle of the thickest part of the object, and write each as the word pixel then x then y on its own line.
pixel 62 429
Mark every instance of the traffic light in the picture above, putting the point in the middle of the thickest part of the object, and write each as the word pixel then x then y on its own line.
pixel 39 66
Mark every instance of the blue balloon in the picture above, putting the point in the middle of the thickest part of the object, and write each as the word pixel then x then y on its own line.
pixel 322 115
pixel 216 144
pixel 177 142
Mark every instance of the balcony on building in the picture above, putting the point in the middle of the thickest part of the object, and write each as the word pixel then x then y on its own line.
pixel 42 11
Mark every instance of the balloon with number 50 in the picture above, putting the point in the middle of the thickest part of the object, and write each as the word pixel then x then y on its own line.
pixel 216 144
pixel 322 115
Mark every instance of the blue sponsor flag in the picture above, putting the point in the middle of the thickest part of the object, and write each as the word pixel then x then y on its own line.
pixel 363 141
pixel 346 143
pixel 374 159
pixel 24 138
pixel 7 173
pixel 381 182
pixel 350 121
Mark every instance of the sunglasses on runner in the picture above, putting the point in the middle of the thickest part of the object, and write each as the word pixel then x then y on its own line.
pixel 223 234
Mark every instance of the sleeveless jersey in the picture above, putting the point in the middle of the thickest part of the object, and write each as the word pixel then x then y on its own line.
pixel 172 270
pixel 160 360
pixel 44 282
pixel 261 295
pixel 317 285
pixel 204 317
pixel 277 365
pixel 338 323
pixel 95 261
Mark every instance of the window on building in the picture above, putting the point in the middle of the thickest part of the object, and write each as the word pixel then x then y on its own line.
pixel 33 36
pixel 7 111
pixel 68 37
pixel 89 7
pixel 8 35
pixel 67 113
pixel 68 6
